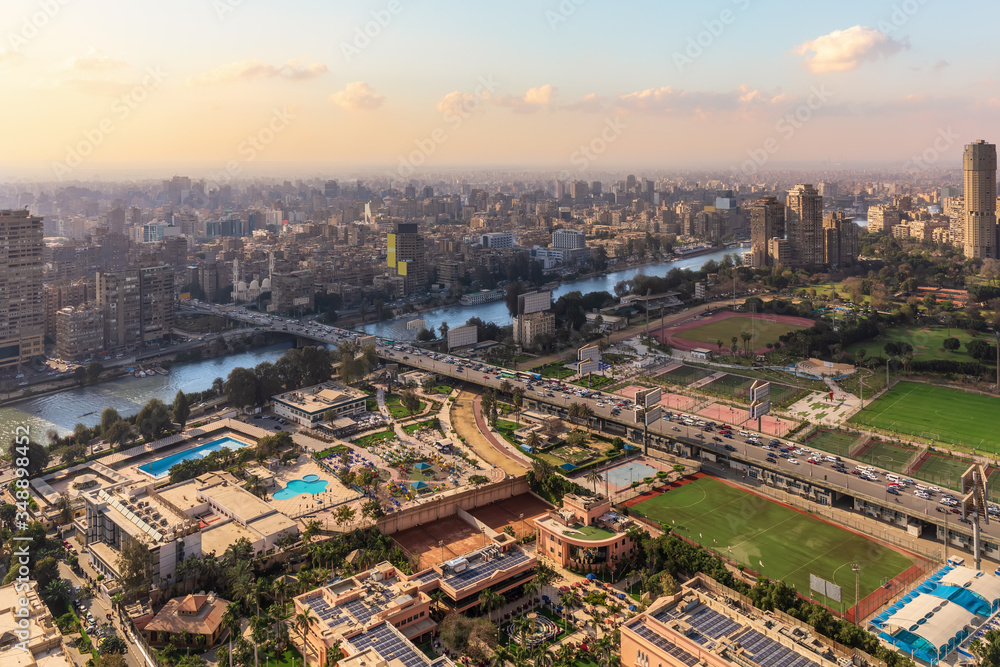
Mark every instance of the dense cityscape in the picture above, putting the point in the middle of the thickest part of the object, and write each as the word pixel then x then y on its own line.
pixel 378 395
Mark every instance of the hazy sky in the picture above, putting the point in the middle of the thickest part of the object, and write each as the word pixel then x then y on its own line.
pixel 94 84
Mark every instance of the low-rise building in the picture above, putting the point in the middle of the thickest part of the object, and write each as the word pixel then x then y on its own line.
pixel 311 405
pixel 183 620
pixel 28 635
pixel 528 327
pixel 585 532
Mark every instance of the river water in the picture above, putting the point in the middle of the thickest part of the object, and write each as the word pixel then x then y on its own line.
pixel 456 316
pixel 62 411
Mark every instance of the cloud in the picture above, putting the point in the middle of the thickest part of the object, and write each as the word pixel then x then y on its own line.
pixel 357 96
pixel 461 104
pixel 844 50
pixel 10 58
pixel 533 100
pixel 95 61
pixel 299 69
pixel 669 101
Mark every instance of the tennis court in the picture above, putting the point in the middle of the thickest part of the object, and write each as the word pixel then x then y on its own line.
pixel 835 442
pixel 736 386
pixel 771 538
pixel 887 455
pixel 944 415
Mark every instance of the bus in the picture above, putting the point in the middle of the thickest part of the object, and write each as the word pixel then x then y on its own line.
pixel 508 375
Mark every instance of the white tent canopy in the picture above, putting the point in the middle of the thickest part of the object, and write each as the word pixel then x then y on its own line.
pixel 984 584
pixel 931 617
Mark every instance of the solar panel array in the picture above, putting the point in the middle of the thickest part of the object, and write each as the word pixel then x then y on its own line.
pixel 769 653
pixel 665 644
pixel 359 611
pixel 389 644
pixel 711 623
pixel 479 571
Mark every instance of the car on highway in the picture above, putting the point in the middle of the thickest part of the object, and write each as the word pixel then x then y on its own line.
pixel 793 461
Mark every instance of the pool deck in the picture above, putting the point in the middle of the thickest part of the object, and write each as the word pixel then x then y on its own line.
pixel 335 493
pixel 193 444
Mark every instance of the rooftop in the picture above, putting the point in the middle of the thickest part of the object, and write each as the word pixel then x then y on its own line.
pixel 198 614
pixel 321 397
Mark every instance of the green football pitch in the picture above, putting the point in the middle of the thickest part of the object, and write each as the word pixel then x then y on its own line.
pixel 791 545
pixel 766 331
pixel 947 416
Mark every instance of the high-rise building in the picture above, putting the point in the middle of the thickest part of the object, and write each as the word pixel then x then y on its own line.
pixel 568 239
pixel 156 289
pixel 22 309
pixel 840 240
pixel 79 332
pixel 980 167
pixel 882 218
pixel 804 224
pixel 119 297
pixel 407 256
pixel 767 221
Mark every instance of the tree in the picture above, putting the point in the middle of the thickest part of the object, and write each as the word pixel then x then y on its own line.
pixel 533 440
pixel 256 486
pixel 64 508
pixel 241 387
pixel 425 335
pixel 57 593
pixel 182 409
pixel 490 601
pixel 345 515
pixel 593 477
pixel 372 509
pixel 80 375
pixel 119 433
pixel 153 419
pixel 135 563
pixel 94 370
pixel 951 344
pixel 113 644
pixel 33 457
pixel 732 346
pixel 409 400
pixel 108 417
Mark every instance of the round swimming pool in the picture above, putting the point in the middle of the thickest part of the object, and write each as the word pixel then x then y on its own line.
pixel 310 478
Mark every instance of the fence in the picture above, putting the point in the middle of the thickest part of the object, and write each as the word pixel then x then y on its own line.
pixel 898 586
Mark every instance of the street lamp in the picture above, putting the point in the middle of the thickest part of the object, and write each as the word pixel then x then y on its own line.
pixel 856 568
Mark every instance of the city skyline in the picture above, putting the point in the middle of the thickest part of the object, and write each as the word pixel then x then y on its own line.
pixel 250 90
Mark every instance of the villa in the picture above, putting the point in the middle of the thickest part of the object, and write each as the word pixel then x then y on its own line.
pixel 585 531
pixel 193 621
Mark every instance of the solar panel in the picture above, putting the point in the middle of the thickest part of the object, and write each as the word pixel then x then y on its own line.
pixel 665 644
pixel 712 624
pixel 389 644
pixel 768 653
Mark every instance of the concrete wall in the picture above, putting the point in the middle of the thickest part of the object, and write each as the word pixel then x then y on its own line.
pixel 441 506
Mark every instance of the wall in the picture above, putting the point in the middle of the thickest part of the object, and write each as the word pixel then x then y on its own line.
pixel 441 506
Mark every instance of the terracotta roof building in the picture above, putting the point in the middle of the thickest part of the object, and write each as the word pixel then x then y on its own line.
pixel 198 615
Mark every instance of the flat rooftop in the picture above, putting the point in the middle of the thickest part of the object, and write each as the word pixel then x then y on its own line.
pixel 320 398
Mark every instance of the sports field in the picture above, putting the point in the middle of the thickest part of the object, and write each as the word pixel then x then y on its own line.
pixel 927 342
pixel 835 442
pixel 791 545
pixel 943 471
pixel 947 416
pixel 887 455
pixel 686 375
pixel 765 330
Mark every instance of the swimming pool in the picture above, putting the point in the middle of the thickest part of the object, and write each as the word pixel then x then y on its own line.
pixel 626 474
pixel 310 484
pixel 161 468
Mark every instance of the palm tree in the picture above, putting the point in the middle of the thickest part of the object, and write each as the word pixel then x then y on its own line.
pixel 64 506
pixel 312 529
pixel 587 412
pixel 303 621
pixel 531 588
pixel 533 440
pixel 506 387
pixel 732 347
pixel 490 601
pixel 256 486
pixel 518 399
pixel 747 337
pixel 594 477
pixel 57 592
pixel 231 620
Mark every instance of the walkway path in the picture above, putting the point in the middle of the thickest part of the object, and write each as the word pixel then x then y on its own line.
pixel 463 419
pixel 499 443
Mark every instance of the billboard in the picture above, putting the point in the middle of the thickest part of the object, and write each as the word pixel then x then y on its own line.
pixel 415 325
pixel 300 301
pixel 653 414
pixel 588 366
pixel 647 398
pixel 390 259
pixel 184 296
pixel 760 409
pixel 825 588
pixel 589 352
pixel 534 302
pixel 760 391
pixel 402 267
pixel 390 246
pixel 462 336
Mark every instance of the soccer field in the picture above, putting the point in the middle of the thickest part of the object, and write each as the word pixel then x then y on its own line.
pixel 791 545
pixel 948 416
pixel 765 331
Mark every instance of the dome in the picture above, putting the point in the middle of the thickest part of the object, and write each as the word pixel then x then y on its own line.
pixel 241 286
pixel 254 285
pixel 266 284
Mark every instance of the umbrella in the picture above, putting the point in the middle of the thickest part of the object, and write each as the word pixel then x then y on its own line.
pixel 591 576
pixel 422 466
pixel 632 607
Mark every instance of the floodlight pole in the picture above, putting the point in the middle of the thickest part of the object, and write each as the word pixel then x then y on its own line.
pixel 856 568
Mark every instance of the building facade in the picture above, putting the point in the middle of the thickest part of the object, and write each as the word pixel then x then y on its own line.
pixel 882 218
pixel 804 224
pixel 767 221
pixel 584 533
pixel 22 310
pixel 979 165
pixel 79 332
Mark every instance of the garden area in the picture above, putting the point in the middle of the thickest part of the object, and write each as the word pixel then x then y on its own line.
pixel 375 439
pixel 553 371
pixel 595 381
pixel 394 402
pixel 429 425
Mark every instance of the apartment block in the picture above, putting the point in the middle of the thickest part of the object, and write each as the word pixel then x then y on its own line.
pixel 22 311
pixel 79 332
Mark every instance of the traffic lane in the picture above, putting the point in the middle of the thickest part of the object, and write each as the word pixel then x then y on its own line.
pixel 99 609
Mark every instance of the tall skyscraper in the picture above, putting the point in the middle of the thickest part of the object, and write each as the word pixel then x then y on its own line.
pixel 980 166
pixel 767 221
pixel 804 224
pixel 407 256
pixel 22 308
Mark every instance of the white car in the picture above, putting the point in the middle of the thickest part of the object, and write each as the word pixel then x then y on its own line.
pixel 793 461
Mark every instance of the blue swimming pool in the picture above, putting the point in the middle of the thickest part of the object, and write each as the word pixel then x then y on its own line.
pixel 161 467
pixel 310 484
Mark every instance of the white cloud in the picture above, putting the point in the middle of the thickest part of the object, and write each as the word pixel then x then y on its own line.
pixel 95 61
pixel 299 69
pixel 534 100
pixel 10 58
pixel 843 50
pixel 357 96
pixel 669 101
pixel 461 104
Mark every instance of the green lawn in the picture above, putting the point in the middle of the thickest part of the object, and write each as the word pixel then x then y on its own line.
pixel 418 426
pixel 888 455
pixel 835 442
pixel 396 409
pixel 372 438
pixel 926 342
pixel 595 381
pixel 554 371
pixel 944 415
pixel 790 544
pixel 765 332
pixel 589 533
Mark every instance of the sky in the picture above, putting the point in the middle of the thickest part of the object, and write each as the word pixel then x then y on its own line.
pixel 579 86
